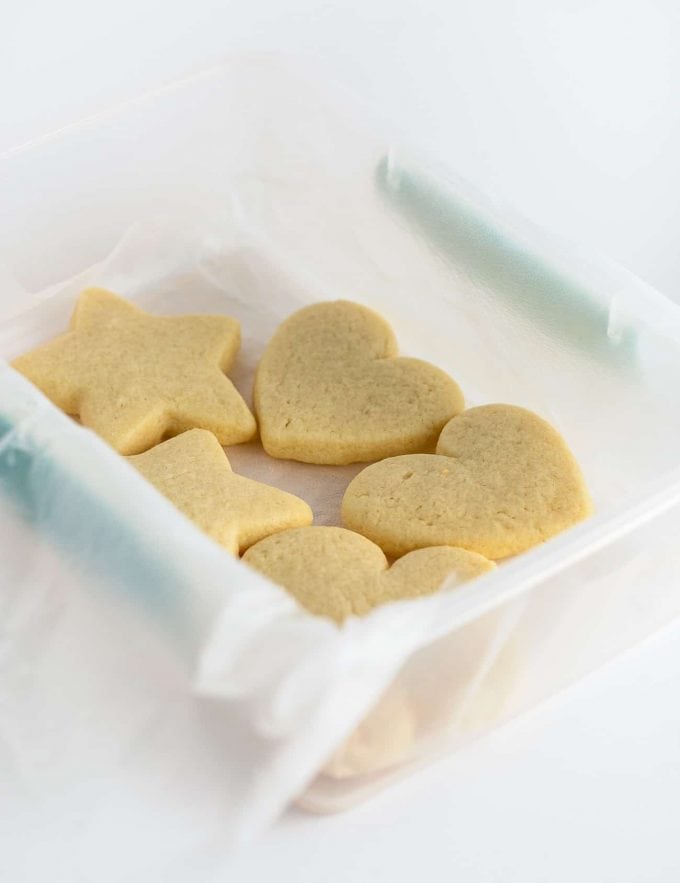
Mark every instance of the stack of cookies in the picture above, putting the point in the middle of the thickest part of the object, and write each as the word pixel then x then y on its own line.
pixel 447 493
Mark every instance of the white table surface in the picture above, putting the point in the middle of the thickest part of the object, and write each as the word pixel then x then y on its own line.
pixel 570 111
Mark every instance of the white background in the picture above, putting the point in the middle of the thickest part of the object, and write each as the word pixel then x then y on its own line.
pixel 570 111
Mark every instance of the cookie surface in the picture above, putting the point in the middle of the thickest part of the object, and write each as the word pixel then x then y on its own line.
pixel 134 378
pixel 381 740
pixel 502 481
pixel 337 573
pixel 331 389
pixel 193 472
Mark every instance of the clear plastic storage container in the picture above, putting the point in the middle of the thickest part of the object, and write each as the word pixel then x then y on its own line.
pixel 150 680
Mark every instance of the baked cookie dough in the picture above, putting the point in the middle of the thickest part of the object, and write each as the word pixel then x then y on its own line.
pixel 337 573
pixel 135 378
pixel 414 708
pixel 193 472
pixel 502 480
pixel 382 740
pixel 330 389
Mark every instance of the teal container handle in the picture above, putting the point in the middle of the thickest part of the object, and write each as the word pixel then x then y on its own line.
pixel 463 234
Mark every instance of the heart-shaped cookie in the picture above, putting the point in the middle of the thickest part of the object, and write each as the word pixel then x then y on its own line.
pixel 502 480
pixel 337 573
pixel 331 389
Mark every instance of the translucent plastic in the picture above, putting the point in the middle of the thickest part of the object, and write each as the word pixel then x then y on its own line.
pixel 137 657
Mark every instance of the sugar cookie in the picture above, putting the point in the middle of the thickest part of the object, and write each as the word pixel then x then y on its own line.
pixel 337 573
pixel 502 481
pixel 193 472
pixel 381 740
pixel 134 378
pixel 330 389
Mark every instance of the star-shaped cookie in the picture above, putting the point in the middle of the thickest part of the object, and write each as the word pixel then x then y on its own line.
pixel 135 378
pixel 193 472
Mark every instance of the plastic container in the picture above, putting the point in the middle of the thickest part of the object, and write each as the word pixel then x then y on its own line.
pixel 282 194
